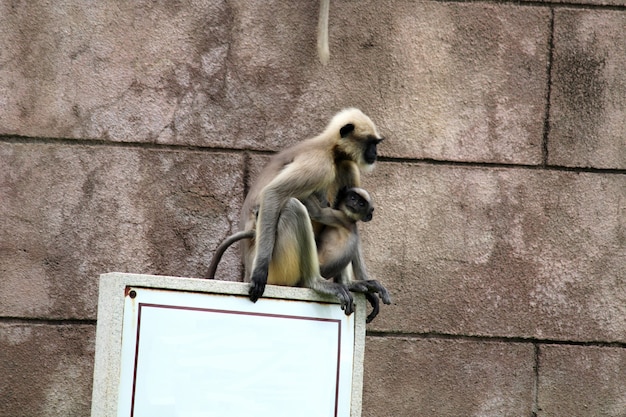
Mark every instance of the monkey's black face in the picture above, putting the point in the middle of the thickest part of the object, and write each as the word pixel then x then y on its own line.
pixel 370 150
pixel 369 215
pixel 359 206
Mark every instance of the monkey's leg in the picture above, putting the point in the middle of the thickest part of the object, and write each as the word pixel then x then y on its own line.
pixel 282 264
pixel 359 282
pixel 264 242
pixel 295 222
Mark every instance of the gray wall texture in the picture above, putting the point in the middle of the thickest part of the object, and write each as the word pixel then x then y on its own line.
pixel 130 131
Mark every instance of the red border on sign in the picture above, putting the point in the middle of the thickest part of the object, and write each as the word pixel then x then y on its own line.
pixel 245 313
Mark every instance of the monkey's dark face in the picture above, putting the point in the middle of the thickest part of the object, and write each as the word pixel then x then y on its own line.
pixel 359 205
pixel 370 153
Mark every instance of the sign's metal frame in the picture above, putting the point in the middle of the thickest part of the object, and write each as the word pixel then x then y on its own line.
pixel 119 302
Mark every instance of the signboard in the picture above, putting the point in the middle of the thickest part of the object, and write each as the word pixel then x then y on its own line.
pixel 169 346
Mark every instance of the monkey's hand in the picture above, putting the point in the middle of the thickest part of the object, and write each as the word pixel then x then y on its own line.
pixel 257 283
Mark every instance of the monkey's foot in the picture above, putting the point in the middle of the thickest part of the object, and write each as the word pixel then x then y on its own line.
pixel 257 286
pixel 337 290
pixel 346 300
pixel 373 300
pixel 371 286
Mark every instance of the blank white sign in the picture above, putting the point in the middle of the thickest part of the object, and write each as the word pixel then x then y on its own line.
pixel 201 354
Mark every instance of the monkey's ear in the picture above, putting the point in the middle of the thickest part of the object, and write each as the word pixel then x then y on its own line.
pixel 346 130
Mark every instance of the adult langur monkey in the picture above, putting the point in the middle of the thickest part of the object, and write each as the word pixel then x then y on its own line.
pixel 338 245
pixel 322 32
pixel 312 169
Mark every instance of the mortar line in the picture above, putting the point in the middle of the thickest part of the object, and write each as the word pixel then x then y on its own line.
pixel 538 3
pixel 210 149
pixel 16 139
pixel 537 343
pixel 546 123
pixel 48 322
pixel 502 339
pixel 535 388
pixel 473 164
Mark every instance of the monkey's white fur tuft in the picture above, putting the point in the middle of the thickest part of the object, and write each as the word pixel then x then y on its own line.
pixel 363 125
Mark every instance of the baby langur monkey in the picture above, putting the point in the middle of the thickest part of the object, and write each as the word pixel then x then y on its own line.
pixel 337 239
pixel 338 247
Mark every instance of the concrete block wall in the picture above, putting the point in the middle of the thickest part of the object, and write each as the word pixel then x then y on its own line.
pixel 130 131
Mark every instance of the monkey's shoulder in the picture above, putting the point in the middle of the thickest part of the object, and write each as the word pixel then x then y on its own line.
pixel 314 163
pixel 315 148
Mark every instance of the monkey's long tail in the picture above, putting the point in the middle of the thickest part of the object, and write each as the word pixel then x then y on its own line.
pixel 246 234
pixel 322 32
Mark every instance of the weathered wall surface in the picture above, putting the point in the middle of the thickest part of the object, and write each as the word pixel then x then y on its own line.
pixel 129 132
